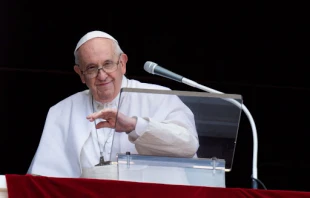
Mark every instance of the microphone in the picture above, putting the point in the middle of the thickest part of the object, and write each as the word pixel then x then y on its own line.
pixel 154 68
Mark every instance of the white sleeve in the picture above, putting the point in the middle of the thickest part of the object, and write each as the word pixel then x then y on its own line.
pixel 50 158
pixel 141 127
pixel 56 155
pixel 167 138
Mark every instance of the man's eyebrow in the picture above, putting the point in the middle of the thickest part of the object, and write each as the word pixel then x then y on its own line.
pixel 93 64
pixel 108 61
pixel 90 64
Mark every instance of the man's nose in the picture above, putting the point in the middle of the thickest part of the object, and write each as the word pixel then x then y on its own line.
pixel 101 74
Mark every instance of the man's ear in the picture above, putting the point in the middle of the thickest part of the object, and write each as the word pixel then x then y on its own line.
pixel 123 59
pixel 78 71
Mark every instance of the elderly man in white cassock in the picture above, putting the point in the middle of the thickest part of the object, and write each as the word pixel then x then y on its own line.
pixel 80 129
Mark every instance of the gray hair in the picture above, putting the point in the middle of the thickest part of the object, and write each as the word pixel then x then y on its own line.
pixel 117 51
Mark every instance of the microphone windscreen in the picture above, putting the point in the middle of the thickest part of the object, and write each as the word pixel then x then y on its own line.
pixel 149 66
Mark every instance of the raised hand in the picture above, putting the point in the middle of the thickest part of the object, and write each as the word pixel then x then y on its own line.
pixel 113 119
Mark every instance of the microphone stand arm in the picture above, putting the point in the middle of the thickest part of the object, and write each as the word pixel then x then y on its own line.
pixel 248 114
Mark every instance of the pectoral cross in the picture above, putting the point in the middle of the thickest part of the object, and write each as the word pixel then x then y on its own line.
pixel 102 162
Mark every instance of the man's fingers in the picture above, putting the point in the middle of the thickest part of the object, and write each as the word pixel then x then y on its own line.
pixel 104 124
pixel 104 114
pixel 95 115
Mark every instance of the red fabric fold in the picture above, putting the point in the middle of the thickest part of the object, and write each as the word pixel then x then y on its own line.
pixel 38 186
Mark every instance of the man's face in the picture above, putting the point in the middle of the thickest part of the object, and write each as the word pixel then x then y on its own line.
pixel 98 52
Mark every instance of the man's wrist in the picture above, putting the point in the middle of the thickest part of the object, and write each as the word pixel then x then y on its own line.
pixel 133 125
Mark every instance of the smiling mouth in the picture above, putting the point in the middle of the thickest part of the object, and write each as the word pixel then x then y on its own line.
pixel 103 84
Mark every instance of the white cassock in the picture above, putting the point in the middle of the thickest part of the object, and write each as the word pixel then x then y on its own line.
pixel 165 127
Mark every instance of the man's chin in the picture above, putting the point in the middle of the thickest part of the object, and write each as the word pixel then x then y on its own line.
pixel 105 97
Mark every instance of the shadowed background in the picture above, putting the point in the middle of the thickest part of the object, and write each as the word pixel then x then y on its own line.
pixel 257 50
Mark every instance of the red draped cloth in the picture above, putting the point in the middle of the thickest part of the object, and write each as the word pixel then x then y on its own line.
pixel 38 186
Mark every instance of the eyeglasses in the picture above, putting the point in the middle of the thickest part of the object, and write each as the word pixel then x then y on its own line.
pixel 108 67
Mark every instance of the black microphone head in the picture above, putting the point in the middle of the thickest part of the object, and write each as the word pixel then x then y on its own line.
pixel 149 66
